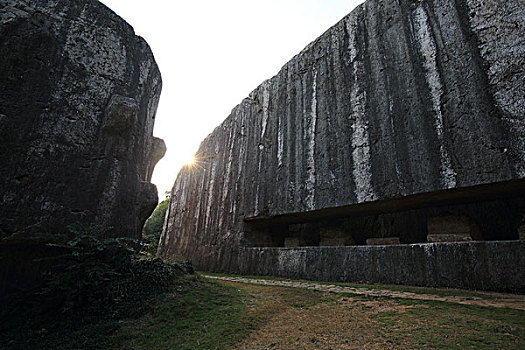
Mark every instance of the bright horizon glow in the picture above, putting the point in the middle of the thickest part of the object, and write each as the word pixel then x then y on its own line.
pixel 190 161
pixel 212 54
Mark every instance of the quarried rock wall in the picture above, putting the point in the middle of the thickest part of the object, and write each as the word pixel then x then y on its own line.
pixel 78 96
pixel 402 103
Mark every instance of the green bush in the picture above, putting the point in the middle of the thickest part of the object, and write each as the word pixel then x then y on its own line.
pixel 153 227
pixel 92 279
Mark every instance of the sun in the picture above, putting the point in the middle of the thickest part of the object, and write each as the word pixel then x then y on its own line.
pixel 190 161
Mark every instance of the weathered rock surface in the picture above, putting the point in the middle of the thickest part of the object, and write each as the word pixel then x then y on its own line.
pixel 495 265
pixel 401 106
pixel 79 93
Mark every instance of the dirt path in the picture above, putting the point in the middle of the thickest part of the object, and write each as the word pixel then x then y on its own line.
pixel 498 300
pixel 306 320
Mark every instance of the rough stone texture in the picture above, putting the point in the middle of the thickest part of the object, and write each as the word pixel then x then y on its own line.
pixel 402 111
pixel 495 265
pixel 79 93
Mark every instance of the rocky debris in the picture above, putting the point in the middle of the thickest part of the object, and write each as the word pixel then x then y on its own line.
pixel 79 96
pixel 400 112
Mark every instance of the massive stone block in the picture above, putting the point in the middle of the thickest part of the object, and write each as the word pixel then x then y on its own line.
pixel 403 111
pixel 78 96
pixel 495 265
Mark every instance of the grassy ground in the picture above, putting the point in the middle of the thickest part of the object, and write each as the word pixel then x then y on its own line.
pixel 204 314
pixel 195 314
pixel 201 315
pixel 448 326
pixel 230 315
pixel 304 319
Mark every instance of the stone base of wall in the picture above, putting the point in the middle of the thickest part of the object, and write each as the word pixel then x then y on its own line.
pixel 493 265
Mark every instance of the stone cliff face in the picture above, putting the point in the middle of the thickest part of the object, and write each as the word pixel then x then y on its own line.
pixel 79 93
pixel 398 100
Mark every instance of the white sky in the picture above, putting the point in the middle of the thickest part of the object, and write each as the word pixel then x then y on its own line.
pixel 213 53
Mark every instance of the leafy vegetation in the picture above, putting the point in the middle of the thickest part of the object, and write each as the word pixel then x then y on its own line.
pixel 92 282
pixel 153 227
